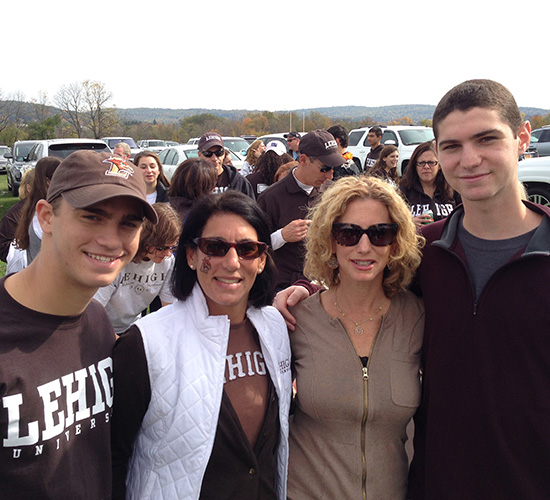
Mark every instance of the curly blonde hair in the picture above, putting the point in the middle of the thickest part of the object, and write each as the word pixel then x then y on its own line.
pixel 405 252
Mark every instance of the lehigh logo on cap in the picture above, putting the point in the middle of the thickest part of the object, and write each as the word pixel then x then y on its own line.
pixel 330 144
pixel 118 167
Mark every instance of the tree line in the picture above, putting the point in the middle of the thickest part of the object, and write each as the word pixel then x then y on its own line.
pixel 82 109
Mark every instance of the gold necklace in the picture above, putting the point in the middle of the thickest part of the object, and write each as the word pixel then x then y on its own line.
pixel 358 329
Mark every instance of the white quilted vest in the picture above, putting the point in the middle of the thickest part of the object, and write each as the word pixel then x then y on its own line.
pixel 185 350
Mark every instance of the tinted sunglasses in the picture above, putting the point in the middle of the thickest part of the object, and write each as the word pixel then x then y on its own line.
pixel 218 153
pixel 216 247
pixel 164 248
pixel 348 235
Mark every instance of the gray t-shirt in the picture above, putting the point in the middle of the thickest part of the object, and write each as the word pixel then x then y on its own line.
pixel 484 257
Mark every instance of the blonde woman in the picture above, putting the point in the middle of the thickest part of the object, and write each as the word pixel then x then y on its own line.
pixel 254 152
pixel 356 346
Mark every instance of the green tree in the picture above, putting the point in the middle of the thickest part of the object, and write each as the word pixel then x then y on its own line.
pixel 45 129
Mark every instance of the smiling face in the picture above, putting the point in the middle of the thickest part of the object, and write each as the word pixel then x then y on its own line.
pixel 90 246
pixel 226 281
pixel 363 262
pixel 391 160
pixel 426 172
pixel 479 154
pixel 150 170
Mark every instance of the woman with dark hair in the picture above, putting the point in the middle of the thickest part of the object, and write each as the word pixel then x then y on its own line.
pixel 203 386
pixel 28 234
pixel 155 180
pixel 385 167
pixel 252 155
pixel 149 274
pixel 193 179
pixel 425 188
pixel 267 166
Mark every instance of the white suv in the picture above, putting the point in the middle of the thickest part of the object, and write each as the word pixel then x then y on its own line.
pixel 405 137
pixel 535 175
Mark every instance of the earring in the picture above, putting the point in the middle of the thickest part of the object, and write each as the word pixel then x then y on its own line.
pixel 192 267
pixel 333 262
pixel 260 271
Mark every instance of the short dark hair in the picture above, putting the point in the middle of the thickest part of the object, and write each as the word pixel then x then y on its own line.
pixel 192 179
pixel 229 202
pixel 376 130
pixel 479 94
pixel 341 133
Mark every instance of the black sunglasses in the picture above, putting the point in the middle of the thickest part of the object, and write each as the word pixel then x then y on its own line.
pixel 216 247
pixel 380 235
pixel 218 153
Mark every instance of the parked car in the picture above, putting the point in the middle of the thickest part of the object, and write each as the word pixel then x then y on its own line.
pixel 49 147
pixel 3 160
pixel 153 145
pixel 19 152
pixel 405 137
pixel 235 144
pixel 174 156
pixel 535 175
pixel 112 141
pixel 277 137
pixel 540 139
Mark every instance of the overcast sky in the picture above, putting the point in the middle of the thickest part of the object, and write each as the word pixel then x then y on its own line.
pixel 243 54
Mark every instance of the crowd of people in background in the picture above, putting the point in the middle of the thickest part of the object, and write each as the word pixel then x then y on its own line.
pixel 405 297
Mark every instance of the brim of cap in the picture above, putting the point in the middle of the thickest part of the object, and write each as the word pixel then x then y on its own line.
pixel 332 160
pixel 90 195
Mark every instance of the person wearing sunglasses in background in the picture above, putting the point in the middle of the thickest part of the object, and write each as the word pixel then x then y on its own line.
pixel 356 346
pixel 148 275
pixel 286 202
pixel 424 187
pixel 293 141
pixel 203 386
pixel 212 150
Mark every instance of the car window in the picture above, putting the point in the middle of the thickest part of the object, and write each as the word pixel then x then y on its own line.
pixel 535 135
pixel 171 157
pixel 416 136
pixel 545 136
pixel 64 150
pixel 156 144
pixel 355 137
pixel 192 153
pixel 237 145
pixel 22 150
pixel 389 135
pixel 32 153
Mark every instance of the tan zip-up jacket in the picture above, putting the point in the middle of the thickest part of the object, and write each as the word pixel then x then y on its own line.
pixel 348 433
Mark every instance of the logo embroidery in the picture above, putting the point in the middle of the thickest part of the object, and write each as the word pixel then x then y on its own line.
pixel 118 167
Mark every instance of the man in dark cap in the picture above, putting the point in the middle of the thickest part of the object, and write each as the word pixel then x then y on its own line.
pixel 55 344
pixel 211 149
pixel 286 202
pixel 293 141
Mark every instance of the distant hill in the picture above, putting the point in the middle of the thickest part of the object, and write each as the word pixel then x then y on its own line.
pixel 382 114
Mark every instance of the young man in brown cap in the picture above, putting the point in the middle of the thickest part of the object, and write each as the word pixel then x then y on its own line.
pixel 286 202
pixel 211 149
pixel 55 346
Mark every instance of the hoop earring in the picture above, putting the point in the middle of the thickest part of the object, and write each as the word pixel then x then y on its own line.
pixel 333 262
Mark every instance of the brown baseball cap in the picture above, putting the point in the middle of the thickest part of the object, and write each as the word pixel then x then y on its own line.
pixel 209 140
pixel 86 177
pixel 321 144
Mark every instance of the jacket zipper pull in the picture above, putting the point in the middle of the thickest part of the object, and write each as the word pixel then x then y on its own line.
pixel 365 371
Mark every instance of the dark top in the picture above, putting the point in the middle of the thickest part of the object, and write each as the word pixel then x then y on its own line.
pixel 284 202
pixel 372 156
pixel 481 431
pixel 56 392
pixel 230 178
pixel 419 201
pixel 162 193
pixel 8 225
pixel 236 469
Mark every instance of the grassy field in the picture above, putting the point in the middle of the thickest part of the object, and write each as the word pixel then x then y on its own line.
pixel 6 201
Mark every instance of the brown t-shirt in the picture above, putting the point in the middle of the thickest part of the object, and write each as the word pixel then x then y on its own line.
pixel 56 397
